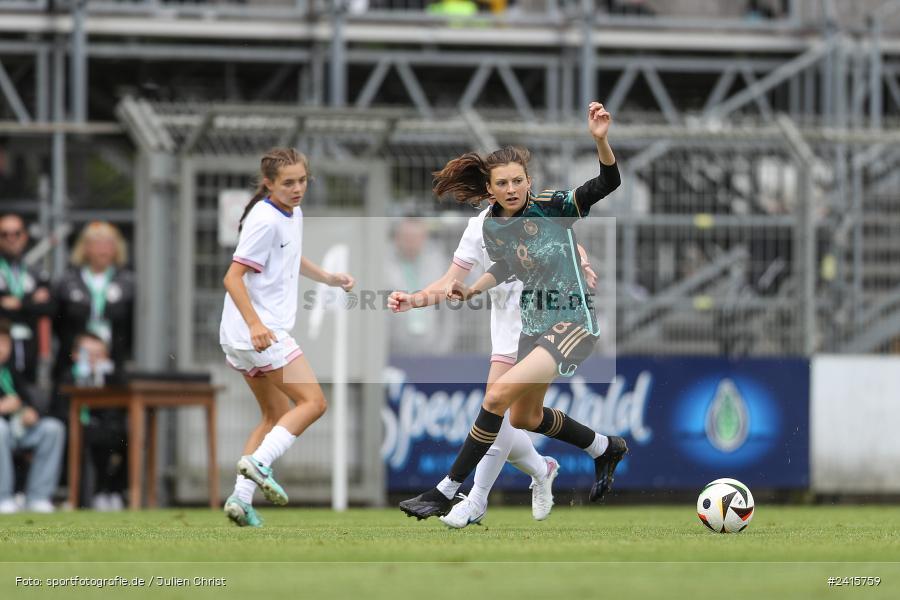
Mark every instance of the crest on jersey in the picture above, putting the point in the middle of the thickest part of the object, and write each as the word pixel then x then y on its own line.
pixel 530 227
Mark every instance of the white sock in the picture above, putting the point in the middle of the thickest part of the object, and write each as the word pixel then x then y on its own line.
pixel 274 445
pixel 448 487
pixel 598 446
pixel 489 467
pixel 244 488
pixel 524 457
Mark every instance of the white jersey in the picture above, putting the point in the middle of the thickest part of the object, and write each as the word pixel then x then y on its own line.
pixel 270 243
pixel 506 319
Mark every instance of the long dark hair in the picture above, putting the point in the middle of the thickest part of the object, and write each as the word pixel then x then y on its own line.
pixel 466 177
pixel 269 165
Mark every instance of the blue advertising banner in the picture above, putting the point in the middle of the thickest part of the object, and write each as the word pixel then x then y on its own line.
pixel 687 420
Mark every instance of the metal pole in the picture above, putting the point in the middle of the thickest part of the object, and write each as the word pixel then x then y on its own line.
pixel 58 154
pixel 827 84
pixel 551 92
pixel 42 85
pixel 875 74
pixel 567 100
pixel 588 66
pixel 805 257
pixel 154 193
pixel 79 62
pixel 857 212
pixel 317 76
pixel 338 72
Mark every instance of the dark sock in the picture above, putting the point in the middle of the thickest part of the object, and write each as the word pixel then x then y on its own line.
pixel 560 426
pixel 479 440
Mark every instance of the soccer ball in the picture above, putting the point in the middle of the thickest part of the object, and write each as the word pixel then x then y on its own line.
pixel 725 506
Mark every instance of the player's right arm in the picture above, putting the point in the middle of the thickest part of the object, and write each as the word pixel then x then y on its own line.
pixel 431 294
pixel 467 255
pixel 260 336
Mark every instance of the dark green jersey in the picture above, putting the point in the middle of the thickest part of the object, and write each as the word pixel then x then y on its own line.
pixel 538 247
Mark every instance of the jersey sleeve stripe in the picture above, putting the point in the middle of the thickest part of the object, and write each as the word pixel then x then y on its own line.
pixel 503 358
pixel 248 263
pixel 463 264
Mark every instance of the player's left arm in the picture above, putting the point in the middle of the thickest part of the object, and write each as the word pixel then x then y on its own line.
pixel 592 191
pixel 310 269
pixel 457 290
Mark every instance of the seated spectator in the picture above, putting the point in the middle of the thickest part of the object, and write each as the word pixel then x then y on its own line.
pixel 23 428
pixel 24 296
pixel 96 294
pixel 105 431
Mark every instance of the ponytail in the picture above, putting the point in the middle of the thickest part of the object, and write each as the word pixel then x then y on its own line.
pixel 466 178
pixel 269 165
pixel 261 192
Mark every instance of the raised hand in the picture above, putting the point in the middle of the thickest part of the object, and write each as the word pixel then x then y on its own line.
pixel 599 120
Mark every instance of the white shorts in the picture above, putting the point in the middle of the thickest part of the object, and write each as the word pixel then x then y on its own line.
pixel 254 364
pixel 506 326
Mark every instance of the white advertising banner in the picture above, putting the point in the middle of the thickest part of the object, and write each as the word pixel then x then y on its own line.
pixel 855 418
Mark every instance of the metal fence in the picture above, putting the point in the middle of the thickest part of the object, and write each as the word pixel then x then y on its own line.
pixel 749 239
pixel 662 13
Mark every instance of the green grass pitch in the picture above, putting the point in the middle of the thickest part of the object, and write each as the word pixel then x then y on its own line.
pixel 578 553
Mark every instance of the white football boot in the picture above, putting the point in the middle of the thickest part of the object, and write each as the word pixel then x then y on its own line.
pixel 542 491
pixel 464 514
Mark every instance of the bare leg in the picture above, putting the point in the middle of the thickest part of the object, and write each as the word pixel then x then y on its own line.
pixel 273 404
pixel 298 382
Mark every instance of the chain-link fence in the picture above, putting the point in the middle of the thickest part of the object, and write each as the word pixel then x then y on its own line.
pixel 751 239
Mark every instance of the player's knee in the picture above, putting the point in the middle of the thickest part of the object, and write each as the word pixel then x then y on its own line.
pixel 318 404
pixel 495 400
pixel 53 427
pixel 524 421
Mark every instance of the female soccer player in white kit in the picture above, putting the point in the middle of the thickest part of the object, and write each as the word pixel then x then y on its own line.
pixel 258 316
pixel 512 444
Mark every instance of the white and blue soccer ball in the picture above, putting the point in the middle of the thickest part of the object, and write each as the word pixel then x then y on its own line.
pixel 726 506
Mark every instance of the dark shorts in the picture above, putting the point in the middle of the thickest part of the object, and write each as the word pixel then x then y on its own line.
pixel 568 343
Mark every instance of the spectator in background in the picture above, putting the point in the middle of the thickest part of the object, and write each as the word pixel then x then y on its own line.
pixel 95 295
pixel 24 297
pixel 758 10
pixel 629 7
pixel 105 431
pixel 453 8
pixel 23 428
pixel 413 262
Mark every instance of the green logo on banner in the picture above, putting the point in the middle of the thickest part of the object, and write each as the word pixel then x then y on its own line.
pixel 727 420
